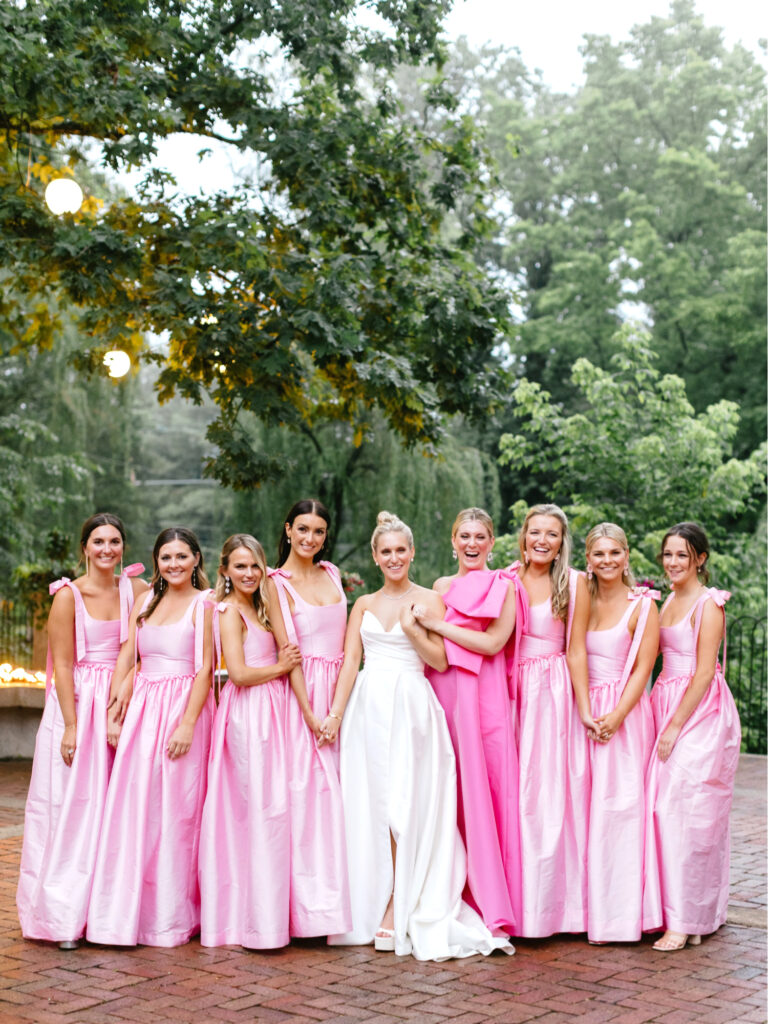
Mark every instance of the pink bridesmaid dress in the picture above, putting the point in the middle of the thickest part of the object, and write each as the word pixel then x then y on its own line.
pixel 145 887
pixel 615 850
pixel 319 898
pixel 245 849
pixel 474 695
pixel 65 805
pixel 689 795
pixel 554 781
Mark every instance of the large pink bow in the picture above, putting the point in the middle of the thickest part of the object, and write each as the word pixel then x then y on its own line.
pixel 719 596
pixel 54 587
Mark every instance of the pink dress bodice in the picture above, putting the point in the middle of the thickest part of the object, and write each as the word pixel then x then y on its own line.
pixel 319 628
pixel 259 646
pixel 607 651
pixel 102 640
pixel 545 635
pixel 168 649
pixel 678 648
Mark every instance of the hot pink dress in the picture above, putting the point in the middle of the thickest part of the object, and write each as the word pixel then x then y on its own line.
pixel 554 781
pixel 145 885
pixel 689 795
pixel 319 899
pixel 65 805
pixel 474 694
pixel 615 851
pixel 245 850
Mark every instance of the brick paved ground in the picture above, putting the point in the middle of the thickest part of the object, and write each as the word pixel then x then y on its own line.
pixel 557 981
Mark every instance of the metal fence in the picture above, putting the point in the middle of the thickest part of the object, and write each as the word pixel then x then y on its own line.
pixel 747 674
pixel 15 633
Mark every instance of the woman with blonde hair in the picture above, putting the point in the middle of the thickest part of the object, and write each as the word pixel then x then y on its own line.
pixel 614 639
pixel 245 871
pixel 406 860
pixel 552 743
pixel 473 692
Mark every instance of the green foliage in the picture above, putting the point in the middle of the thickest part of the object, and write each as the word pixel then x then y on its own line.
pixel 326 289
pixel 638 454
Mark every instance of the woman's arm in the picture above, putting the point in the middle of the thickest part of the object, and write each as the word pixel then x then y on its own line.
pixel 61 637
pixel 576 657
pixel 427 642
pixel 353 652
pixel 241 674
pixel 710 635
pixel 488 641
pixel 633 691
pixel 181 738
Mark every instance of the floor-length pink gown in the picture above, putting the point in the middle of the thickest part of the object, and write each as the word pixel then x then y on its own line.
pixel 245 851
pixel 474 695
pixel 145 887
pixel 65 805
pixel 689 795
pixel 319 898
pixel 616 844
pixel 554 781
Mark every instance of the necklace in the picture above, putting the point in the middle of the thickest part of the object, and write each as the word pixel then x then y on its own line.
pixel 396 597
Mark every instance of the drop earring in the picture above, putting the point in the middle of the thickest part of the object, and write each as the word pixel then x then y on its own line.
pixel 454 556
pixel 590 574
pixel 490 558
pixel 194 578
pixel 227 585
pixel 87 566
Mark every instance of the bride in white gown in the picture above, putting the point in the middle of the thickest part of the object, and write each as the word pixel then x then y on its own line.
pixel 407 863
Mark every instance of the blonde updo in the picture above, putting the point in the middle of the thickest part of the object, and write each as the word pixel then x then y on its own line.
pixel 612 532
pixel 472 515
pixel 388 522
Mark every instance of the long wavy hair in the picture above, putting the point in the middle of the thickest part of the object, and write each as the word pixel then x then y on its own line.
pixel 612 532
pixel 157 583
pixel 260 599
pixel 558 570
pixel 695 540
pixel 304 507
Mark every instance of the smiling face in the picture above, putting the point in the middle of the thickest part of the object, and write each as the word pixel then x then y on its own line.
pixel 543 540
pixel 244 571
pixel 472 543
pixel 608 559
pixel 307 535
pixel 104 547
pixel 176 562
pixel 680 561
pixel 393 555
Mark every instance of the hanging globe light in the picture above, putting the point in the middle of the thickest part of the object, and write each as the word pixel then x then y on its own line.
pixel 117 362
pixel 63 195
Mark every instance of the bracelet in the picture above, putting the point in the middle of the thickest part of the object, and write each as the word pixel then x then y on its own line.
pixel 332 714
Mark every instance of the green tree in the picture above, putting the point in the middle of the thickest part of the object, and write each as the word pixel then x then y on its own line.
pixel 638 454
pixel 328 288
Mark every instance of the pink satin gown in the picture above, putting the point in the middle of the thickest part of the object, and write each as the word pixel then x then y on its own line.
pixel 65 805
pixel 145 887
pixel 689 795
pixel 319 898
pixel 615 851
pixel 554 782
pixel 245 849
pixel 474 695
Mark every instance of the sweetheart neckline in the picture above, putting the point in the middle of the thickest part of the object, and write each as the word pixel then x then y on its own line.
pixel 380 624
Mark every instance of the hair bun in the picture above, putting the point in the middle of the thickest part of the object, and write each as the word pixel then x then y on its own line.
pixel 384 518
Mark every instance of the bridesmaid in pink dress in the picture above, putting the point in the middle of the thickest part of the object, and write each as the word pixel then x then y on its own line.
pixel 245 848
pixel 552 742
pixel 314 608
pixel 614 640
pixel 145 887
pixel 474 693
pixel 693 765
pixel 70 772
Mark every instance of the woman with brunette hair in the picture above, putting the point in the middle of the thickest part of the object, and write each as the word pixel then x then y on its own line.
pixel 552 742
pixel 613 646
pixel 68 789
pixel 314 609
pixel 245 897
pixel 474 694
pixel 693 764
pixel 145 888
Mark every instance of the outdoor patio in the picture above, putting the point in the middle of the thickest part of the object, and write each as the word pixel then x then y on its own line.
pixel 555 981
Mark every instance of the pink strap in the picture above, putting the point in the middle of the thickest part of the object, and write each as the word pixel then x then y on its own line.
pixel 573 576
pixel 521 627
pixel 280 577
pixel 54 588
pixel 719 597
pixel 199 603
pixel 642 621
pixel 126 596
pixel 335 575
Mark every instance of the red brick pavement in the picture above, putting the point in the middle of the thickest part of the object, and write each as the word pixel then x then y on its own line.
pixel 555 981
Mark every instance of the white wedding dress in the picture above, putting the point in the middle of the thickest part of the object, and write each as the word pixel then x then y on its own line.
pixel 398 774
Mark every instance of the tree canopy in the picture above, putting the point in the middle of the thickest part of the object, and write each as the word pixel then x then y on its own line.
pixel 338 282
